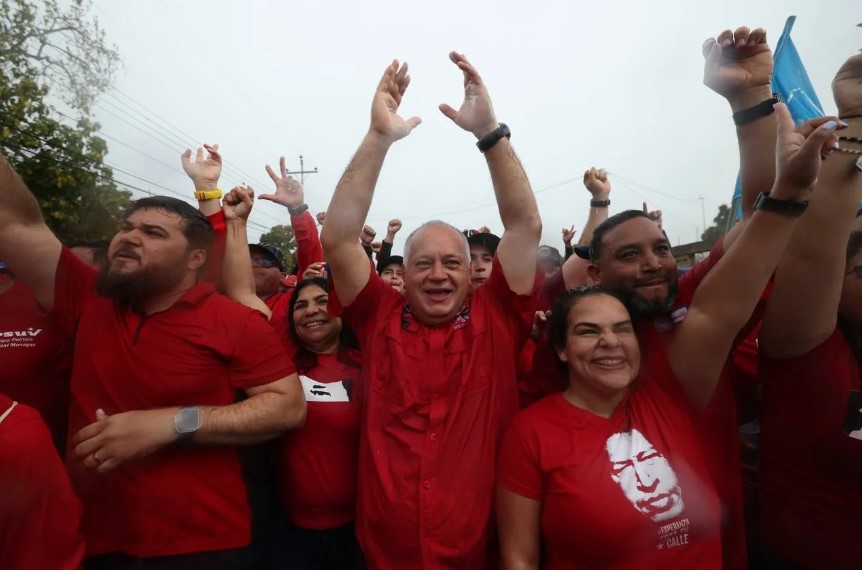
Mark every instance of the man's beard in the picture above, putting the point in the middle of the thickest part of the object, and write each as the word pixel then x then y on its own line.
pixel 133 289
pixel 640 307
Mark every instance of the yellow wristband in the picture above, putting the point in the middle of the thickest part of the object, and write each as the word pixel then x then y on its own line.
pixel 202 195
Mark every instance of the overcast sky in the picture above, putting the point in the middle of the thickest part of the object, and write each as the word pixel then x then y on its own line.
pixel 615 84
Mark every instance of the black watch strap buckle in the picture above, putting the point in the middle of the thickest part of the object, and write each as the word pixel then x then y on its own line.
pixel 487 142
pixel 792 208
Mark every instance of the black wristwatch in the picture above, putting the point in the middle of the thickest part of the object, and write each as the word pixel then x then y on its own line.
pixel 487 142
pixel 600 203
pixel 187 422
pixel 785 207
pixel 301 209
pixel 762 109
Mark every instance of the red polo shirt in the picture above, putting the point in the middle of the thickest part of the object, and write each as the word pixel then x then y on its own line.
pixel 200 351
pixel 36 359
pixel 318 462
pixel 810 466
pixel 437 403
pixel 39 512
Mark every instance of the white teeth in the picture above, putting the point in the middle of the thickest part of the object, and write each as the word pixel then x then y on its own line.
pixel 609 362
pixel 314 324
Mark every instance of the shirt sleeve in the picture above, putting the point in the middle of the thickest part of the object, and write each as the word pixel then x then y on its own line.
pixel 518 467
pixel 216 255
pixel 519 310
pixel 73 285
pixel 373 302
pixel 308 248
pixel 258 357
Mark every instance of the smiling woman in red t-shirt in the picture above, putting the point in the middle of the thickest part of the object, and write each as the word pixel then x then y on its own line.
pixel 611 473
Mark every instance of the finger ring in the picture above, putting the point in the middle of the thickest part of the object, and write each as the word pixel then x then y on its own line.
pixel 96 459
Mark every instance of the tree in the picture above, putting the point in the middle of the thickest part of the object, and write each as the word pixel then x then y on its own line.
pixel 281 236
pixel 43 48
pixel 719 226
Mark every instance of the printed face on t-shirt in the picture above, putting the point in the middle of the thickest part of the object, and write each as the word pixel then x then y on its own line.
pixel 481 262
pixel 437 274
pixel 645 476
pixel 636 263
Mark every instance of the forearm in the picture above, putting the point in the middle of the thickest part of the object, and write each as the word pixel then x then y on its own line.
pixel 308 248
pixel 352 198
pixel 209 207
pixel 238 275
pixel 515 199
pixel 19 206
pixel 756 147
pixel 596 217
pixel 259 418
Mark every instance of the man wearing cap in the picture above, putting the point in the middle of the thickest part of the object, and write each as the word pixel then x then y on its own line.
pixel 483 246
pixel 268 263
pixel 550 260
pixel 391 271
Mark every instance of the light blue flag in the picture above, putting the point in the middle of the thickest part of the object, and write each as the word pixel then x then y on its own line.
pixel 790 81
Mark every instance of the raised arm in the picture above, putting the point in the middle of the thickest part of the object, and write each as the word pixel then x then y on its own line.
pixel 726 298
pixel 352 199
pixel 204 173
pixel 599 186
pixel 290 194
pixel 738 66
pixel 27 246
pixel 238 274
pixel 813 268
pixel 522 224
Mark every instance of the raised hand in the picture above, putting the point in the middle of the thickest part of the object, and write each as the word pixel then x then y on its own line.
pixel 654 215
pixel 568 235
pixel 321 216
pixel 847 87
pixel 375 246
pixel 597 183
pixel 736 62
pixel 484 230
pixel 385 121
pixel 288 190
pixel 315 270
pixel 204 173
pixel 476 114
pixel 394 227
pixel 237 203
pixel 799 153
pixel 367 236
pixel 540 323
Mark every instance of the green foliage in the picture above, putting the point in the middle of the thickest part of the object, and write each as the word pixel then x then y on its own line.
pixel 720 225
pixel 45 47
pixel 281 236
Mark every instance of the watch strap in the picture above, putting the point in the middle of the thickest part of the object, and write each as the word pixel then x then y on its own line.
pixel 487 142
pixel 600 203
pixel 186 422
pixel 203 195
pixel 792 208
pixel 301 209
pixel 762 109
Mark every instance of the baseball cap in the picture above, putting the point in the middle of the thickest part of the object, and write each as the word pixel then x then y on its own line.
pixel 582 251
pixel 484 239
pixel 550 255
pixel 391 260
pixel 270 251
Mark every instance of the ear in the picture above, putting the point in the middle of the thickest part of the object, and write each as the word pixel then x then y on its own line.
pixel 197 258
pixel 595 274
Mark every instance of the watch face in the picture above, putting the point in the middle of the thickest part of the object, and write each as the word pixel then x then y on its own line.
pixel 188 420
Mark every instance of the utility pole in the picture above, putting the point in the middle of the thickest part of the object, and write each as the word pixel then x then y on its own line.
pixel 702 212
pixel 302 172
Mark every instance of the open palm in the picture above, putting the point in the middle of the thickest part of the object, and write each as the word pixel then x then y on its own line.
pixel 476 114
pixel 288 190
pixel 385 120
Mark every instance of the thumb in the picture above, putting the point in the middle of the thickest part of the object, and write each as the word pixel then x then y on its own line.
pixel 823 138
pixel 448 111
pixel 646 210
pixel 413 122
pixel 267 197
pixel 786 126
pixel 101 415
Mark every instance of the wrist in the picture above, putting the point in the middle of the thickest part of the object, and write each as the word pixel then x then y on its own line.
pixel 486 130
pixel 297 209
pixel 787 192
pixel 390 238
pixel 378 140
pixel 748 98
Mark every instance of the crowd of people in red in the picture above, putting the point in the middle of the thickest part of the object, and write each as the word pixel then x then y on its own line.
pixel 176 400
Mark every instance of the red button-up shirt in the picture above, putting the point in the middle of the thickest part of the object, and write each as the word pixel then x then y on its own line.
pixel 438 401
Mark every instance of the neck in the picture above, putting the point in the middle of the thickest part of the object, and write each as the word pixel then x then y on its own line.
pixel 329 346
pixel 602 404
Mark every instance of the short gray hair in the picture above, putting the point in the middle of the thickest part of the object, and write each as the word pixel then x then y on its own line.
pixel 409 242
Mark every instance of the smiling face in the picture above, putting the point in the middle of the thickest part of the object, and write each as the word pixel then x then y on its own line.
pixel 601 350
pixel 637 265
pixel 436 274
pixel 314 326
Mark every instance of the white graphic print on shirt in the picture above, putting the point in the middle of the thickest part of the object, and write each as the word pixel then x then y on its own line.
pixel 338 391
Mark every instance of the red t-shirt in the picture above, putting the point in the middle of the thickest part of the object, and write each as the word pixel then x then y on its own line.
pixel 629 491
pixel 437 403
pixel 318 462
pixel 198 352
pixel 36 359
pixel 716 424
pixel 39 512
pixel 810 470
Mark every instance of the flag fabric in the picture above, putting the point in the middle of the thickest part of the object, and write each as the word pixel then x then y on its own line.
pixel 790 81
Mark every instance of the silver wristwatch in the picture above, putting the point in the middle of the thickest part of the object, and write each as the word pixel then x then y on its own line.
pixel 187 422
